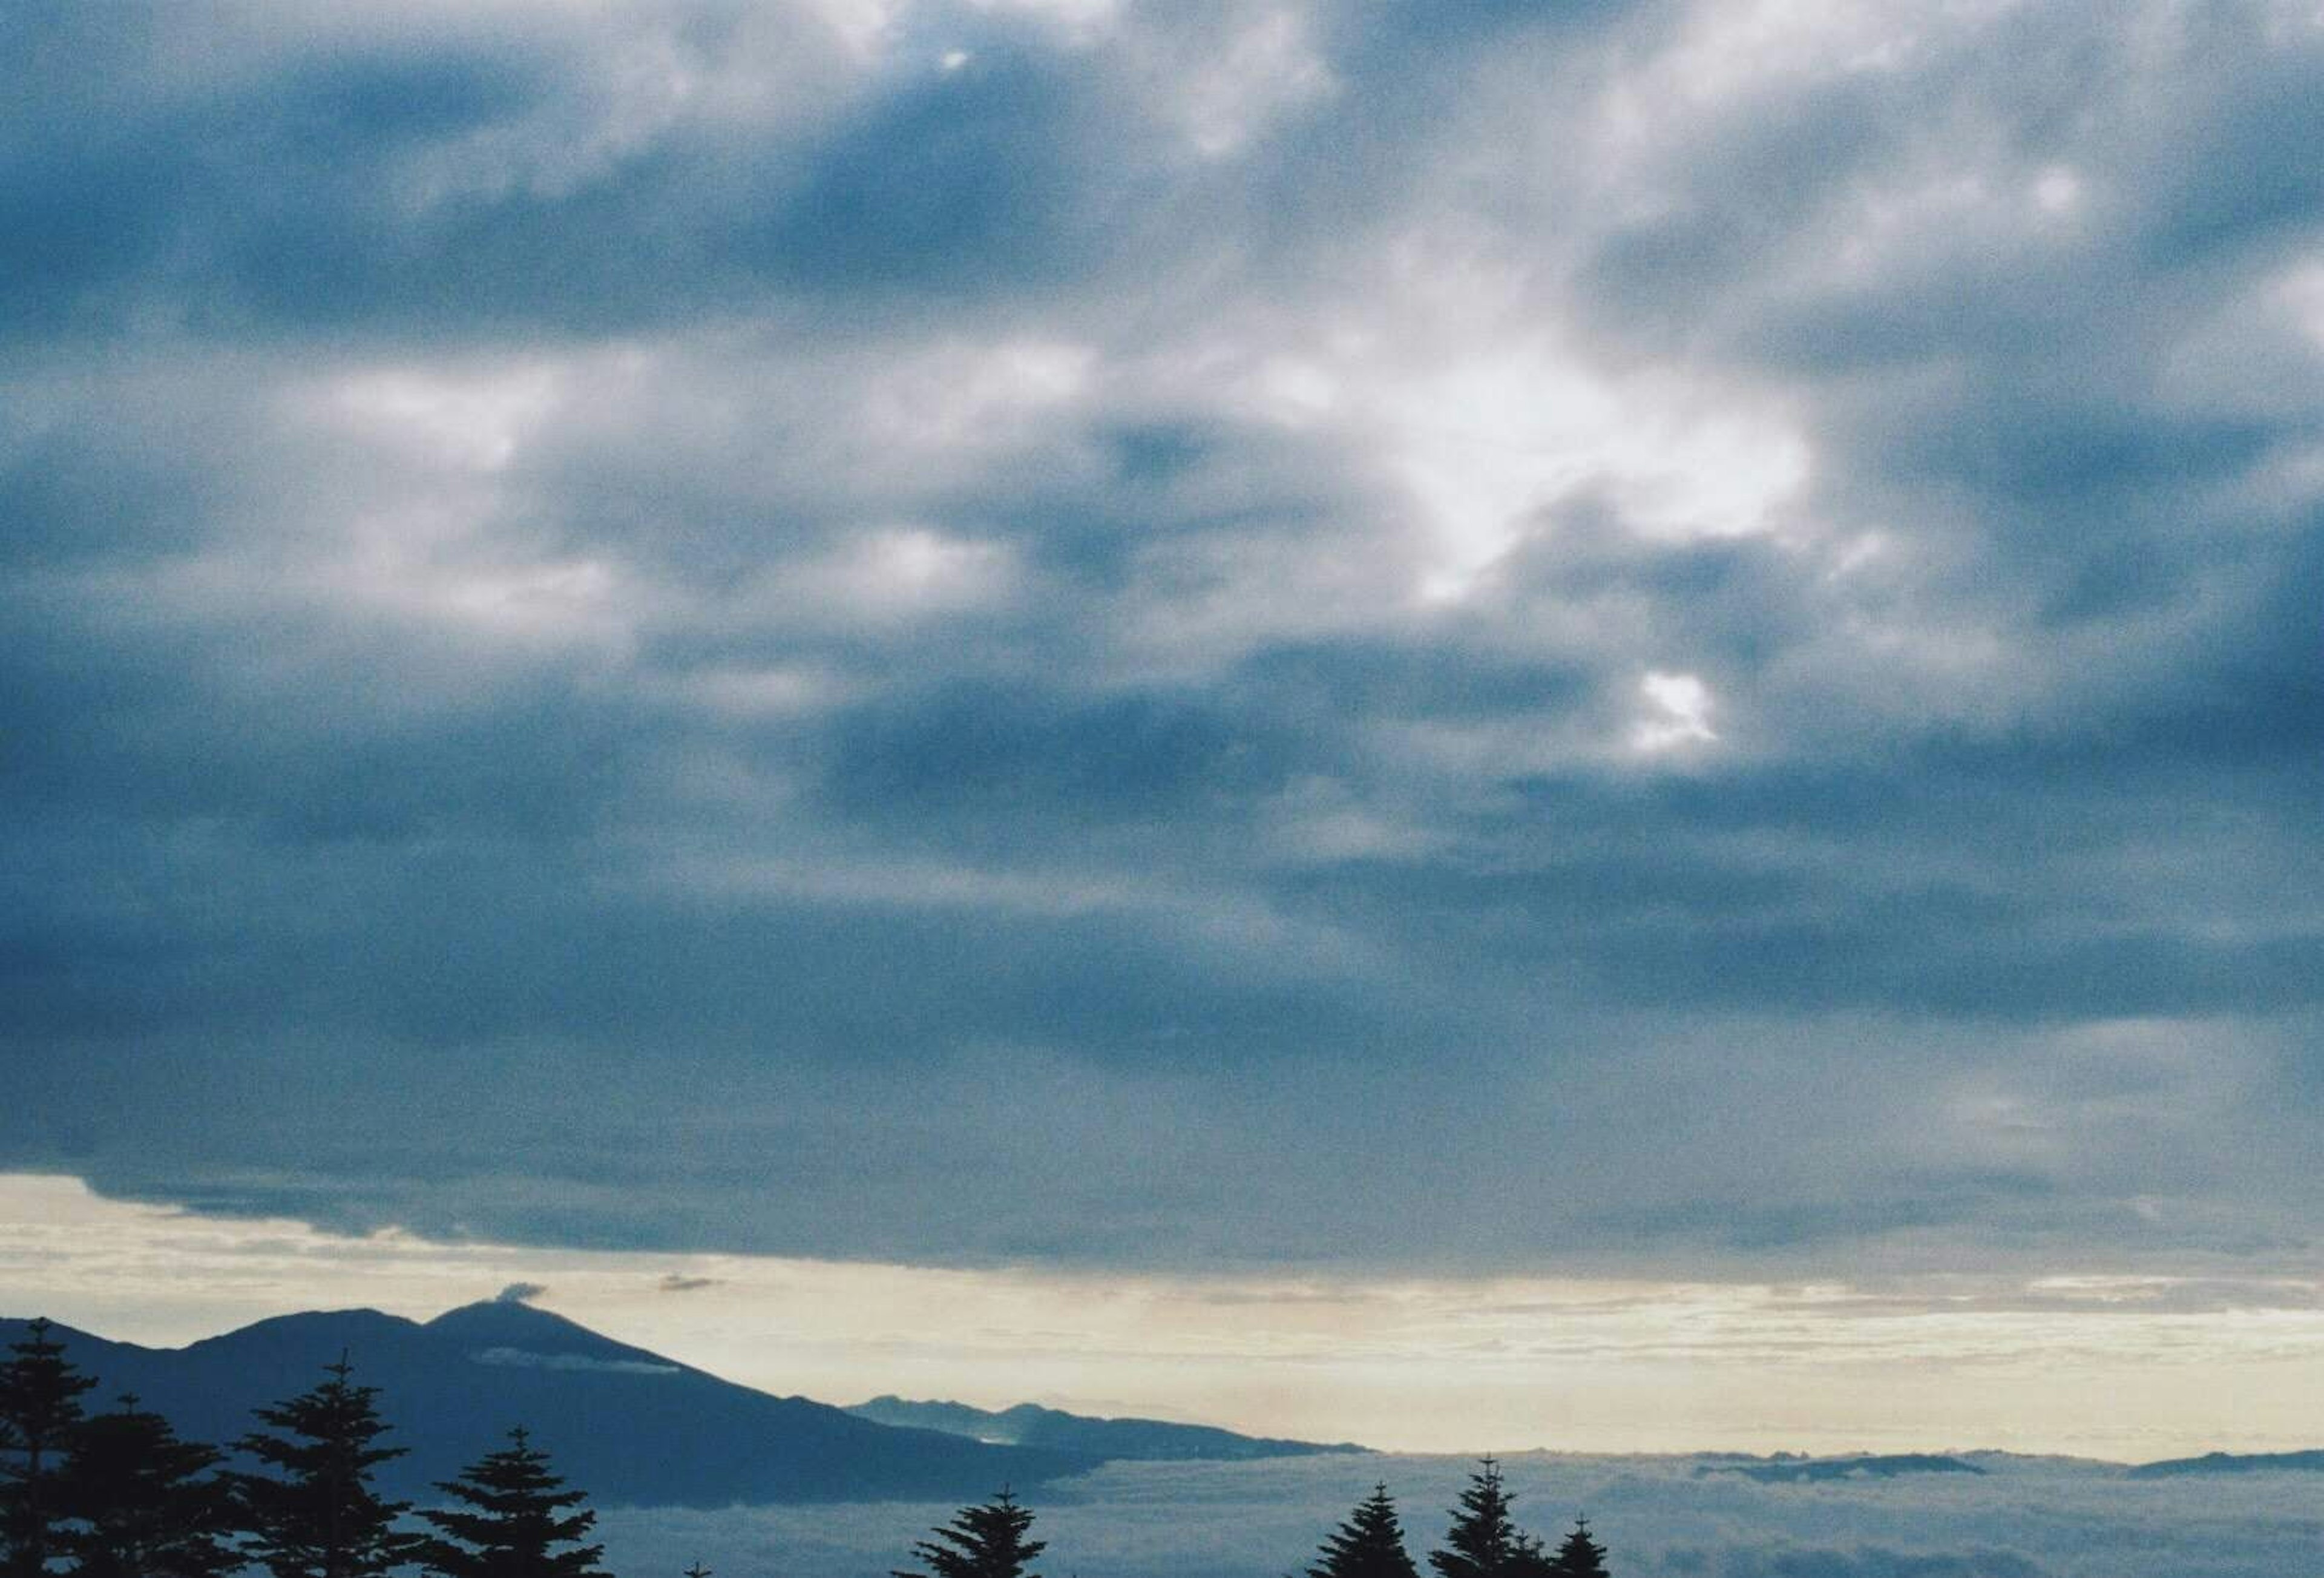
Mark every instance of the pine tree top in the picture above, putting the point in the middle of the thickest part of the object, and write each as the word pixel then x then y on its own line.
pixel 331 1426
pixel 514 1478
pixel 316 1515
pixel 984 1541
pixel 39 1390
pixel 1369 1545
pixel 1483 1540
pixel 127 1439
pixel 139 1499
pixel 1579 1556
pixel 516 1513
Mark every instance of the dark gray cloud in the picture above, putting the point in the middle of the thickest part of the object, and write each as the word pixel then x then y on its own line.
pixel 1652 635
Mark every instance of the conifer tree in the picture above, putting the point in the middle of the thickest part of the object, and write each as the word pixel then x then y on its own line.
pixel 1483 1542
pixel 514 1515
pixel 40 1404
pixel 317 1515
pixel 142 1503
pixel 1369 1545
pixel 981 1542
pixel 1579 1556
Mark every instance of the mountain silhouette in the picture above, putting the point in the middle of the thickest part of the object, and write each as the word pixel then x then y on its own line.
pixel 627 1426
pixel 1140 1440
pixel 2233 1462
pixel 1783 1470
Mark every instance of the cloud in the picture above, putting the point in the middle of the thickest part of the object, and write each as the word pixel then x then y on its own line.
pixel 1873 1562
pixel 519 1293
pixel 2130 1368
pixel 2028 1518
pixel 522 1360
pixel 1242 633
pixel 673 1282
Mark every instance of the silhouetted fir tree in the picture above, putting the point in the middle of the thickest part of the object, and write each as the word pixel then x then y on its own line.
pixel 981 1542
pixel 1483 1542
pixel 1369 1545
pixel 515 1513
pixel 1579 1556
pixel 317 1515
pixel 40 1404
pixel 144 1504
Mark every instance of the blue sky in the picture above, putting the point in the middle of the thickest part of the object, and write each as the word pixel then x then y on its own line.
pixel 1626 640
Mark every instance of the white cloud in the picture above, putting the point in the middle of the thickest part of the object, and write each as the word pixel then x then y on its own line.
pixel 901 572
pixel 468 418
pixel 520 1359
pixel 1264 69
pixel 1682 707
pixel 1491 439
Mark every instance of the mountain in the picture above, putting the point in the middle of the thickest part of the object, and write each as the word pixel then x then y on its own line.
pixel 1783 1469
pixel 1137 1440
pixel 629 1426
pixel 2233 1462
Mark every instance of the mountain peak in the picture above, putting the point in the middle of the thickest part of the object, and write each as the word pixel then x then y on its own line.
pixel 502 1313
pixel 634 1427
pixel 504 1323
pixel 320 1332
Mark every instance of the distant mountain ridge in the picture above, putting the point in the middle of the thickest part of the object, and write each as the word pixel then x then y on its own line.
pixel 2234 1463
pixel 627 1426
pixel 1786 1469
pixel 1120 1440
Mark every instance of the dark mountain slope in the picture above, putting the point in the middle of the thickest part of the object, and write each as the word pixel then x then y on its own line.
pixel 625 1425
pixel 1141 1440
pixel 2233 1462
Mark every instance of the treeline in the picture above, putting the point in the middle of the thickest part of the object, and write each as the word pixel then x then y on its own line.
pixel 115 1492
pixel 1483 1541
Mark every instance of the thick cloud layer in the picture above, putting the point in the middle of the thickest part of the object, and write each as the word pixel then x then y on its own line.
pixel 2022 1517
pixel 1646 635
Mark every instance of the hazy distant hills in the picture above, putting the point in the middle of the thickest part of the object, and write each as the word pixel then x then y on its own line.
pixel 1120 1440
pixel 627 1426
pixel 2233 1462
pixel 1787 1468
pixel 1784 1469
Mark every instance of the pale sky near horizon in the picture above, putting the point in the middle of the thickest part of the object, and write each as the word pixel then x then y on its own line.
pixel 1631 690
pixel 2127 1369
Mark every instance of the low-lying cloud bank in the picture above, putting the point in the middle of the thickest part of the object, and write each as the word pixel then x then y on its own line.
pixel 2025 1519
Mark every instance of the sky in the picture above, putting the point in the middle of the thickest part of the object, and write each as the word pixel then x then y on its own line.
pixel 1637 646
pixel 2127 1369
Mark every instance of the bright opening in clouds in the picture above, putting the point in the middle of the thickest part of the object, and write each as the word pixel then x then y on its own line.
pixel 1680 708
pixel 1660 640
